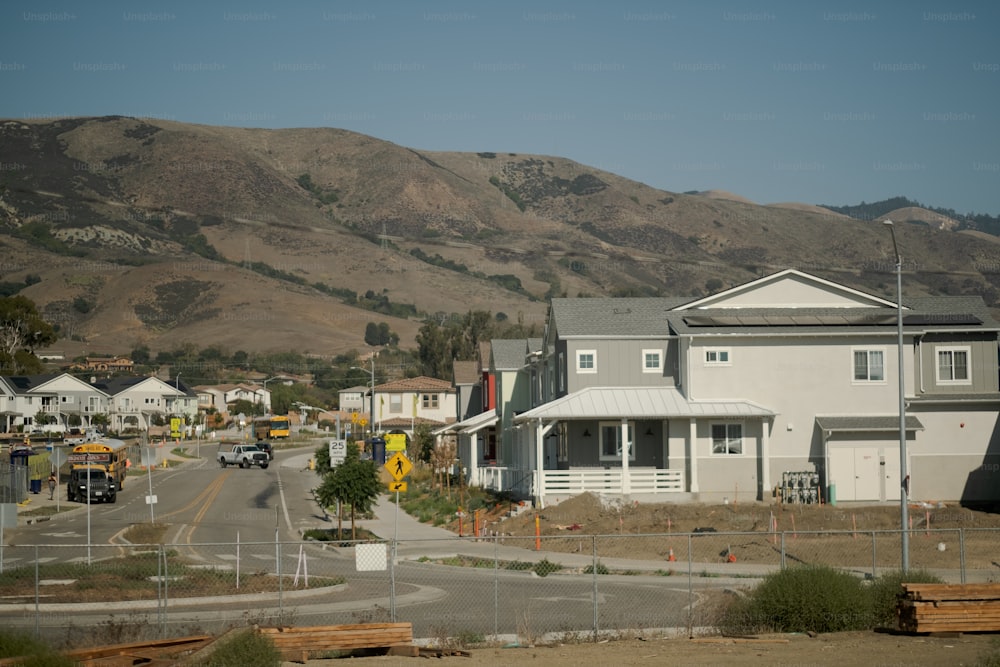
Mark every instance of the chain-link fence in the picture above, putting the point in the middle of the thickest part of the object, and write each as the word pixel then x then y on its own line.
pixel 501 588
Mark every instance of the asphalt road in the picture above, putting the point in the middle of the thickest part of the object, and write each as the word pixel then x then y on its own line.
pixel 251 520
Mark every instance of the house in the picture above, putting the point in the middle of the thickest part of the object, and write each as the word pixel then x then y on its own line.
pixel 106 364
pixel 717 398
pixel 404 404
pixel 57 397
pixel 137 402
pixel 354 399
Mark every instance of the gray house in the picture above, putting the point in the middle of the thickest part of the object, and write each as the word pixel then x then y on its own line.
pixel 719 397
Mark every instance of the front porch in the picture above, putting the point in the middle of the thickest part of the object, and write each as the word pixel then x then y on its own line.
pixel 573 481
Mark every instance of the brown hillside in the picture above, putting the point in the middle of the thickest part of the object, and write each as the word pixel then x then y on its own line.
pixel 269 240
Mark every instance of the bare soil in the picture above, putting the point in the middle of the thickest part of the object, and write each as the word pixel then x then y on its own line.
pixel 848 649
pixel 934 540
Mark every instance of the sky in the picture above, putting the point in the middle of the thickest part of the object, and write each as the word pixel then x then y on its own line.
pixel 816 102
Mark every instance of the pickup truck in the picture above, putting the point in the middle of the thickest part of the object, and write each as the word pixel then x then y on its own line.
pixel 244 456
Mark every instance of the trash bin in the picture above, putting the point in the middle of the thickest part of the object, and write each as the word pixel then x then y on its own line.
pixel 36 486
pixel 378 450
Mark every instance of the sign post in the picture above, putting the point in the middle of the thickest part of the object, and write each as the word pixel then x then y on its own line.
pixel 338 452
pixel 399 467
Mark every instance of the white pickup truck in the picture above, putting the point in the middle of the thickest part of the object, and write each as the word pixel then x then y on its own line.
pixel 244 456
pixel 78 437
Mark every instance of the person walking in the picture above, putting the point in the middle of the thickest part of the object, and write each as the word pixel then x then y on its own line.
pixel 52 485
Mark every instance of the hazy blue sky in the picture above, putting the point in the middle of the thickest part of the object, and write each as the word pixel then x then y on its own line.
pixel 819 102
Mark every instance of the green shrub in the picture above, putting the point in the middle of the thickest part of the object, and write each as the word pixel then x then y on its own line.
pixel 546 567
pixel 247 649
pixel 36 652
pixel 886 588
pixel 600 568
pixel 802 599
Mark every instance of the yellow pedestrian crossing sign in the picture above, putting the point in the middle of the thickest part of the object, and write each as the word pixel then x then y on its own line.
pixel 398 466
pixel 398 487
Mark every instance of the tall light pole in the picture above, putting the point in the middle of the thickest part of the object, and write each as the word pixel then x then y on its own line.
pixel 904 477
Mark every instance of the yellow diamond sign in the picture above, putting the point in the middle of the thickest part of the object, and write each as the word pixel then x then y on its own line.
pixel 398 466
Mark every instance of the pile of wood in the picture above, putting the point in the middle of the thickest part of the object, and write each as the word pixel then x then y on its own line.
pixel 161 652
pixel 949 608
pixel 298 643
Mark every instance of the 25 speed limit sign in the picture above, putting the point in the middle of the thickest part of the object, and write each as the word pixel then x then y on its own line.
pixel 338 451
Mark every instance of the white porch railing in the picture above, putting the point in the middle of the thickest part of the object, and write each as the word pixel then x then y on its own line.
pixel 499 478
pixel 609 480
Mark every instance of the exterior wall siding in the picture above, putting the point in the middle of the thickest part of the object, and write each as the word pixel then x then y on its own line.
pixel 619 364
pixel 983 365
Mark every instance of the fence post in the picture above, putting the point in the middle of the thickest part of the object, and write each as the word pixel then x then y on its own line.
pixel 496 584
pixel 874 556
pixel 690 604
pixel 782 550
pixel 961 554
pixel 392 577
pixel 38 630
pixel 593 549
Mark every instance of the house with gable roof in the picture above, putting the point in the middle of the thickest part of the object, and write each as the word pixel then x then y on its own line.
pixel 715 398
pixel 59 396
pixel 401 405
pixel 135 402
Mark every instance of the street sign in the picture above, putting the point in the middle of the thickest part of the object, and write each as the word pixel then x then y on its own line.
pixel 398 466
pixel 151 500
pixel 354 417
pixel 395 442
pixel 363 422
pixel 338 452
pixel 398 487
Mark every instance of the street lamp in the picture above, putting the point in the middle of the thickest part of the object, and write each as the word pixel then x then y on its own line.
pixel 904 477
pixel 371 413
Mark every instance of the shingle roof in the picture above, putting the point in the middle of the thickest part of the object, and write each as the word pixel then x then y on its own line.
pixel 509 353
pixel 635 317
pixel 466 372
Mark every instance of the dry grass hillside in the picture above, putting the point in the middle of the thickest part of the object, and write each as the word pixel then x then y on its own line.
pixel 163 233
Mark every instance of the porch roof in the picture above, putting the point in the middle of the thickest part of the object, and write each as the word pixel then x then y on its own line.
pixel 470 425
pixel 639 403
pixel 866 423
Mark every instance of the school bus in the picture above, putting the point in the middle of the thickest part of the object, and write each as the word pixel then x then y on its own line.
pixel 107 454
pixel 276 426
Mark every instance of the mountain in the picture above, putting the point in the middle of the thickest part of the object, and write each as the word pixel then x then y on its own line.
pixel 132 231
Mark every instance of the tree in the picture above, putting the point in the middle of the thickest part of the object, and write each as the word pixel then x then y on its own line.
pixel 354 483
pixel 22 331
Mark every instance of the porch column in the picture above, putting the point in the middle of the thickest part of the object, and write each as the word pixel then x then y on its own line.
pixel 765 457
pixel 626 445
pixel 539 445
pixel 692 455
pixel 474 459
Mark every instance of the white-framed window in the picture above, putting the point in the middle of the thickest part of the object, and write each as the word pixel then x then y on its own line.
pixel 717 356
pixel 953 365
pixel 652 361
pixel 727 439
pixel 610 441
pixel 430 401
pixel 395 403
pixel 869 365
pixel 586 361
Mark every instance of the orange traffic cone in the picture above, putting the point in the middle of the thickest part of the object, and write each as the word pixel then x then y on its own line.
pixel 670 556
pixel 732 557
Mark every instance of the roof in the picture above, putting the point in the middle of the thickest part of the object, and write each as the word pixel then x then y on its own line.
pixel 639 403
pixel 609 316
pixel 466 372
pixel 509 354
pixel 472 424
pixel 867 423
pixel 419 383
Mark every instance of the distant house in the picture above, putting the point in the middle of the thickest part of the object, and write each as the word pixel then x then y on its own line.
pixel 105 364
pixel 404 404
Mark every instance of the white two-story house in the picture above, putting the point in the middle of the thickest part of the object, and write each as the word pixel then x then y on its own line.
pixel 718 397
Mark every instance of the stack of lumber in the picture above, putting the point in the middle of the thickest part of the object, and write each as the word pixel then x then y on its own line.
pixel 298 643
pixel 949 608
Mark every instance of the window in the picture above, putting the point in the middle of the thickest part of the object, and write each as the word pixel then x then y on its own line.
pixel 586 361
pixel 652 361
pixel 611 441
pixel 953 365
pixel 717 357
pixel 430 401
pixel 395 403
pixel 561 371
pixel 727 439
pixel 869 366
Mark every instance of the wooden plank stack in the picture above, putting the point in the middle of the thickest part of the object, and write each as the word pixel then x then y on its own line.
pixel 949 608
pixel 298 643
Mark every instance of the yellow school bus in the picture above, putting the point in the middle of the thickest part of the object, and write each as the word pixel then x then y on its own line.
pixel 108 454
pixel 266 428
